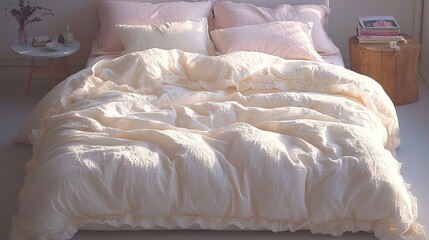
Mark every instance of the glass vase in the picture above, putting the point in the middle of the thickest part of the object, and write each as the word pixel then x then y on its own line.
pixel 22 36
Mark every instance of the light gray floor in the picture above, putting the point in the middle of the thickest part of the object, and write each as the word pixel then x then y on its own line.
pixel 15 106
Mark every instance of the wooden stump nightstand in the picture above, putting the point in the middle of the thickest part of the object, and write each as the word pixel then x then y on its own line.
pixel 396 71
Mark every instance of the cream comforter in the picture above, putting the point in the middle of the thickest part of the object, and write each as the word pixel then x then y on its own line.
pixel 175 140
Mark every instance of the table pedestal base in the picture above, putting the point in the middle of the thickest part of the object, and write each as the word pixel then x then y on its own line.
pixel 55 65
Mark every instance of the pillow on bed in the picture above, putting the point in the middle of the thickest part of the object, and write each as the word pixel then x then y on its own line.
pixel 188 36
pixel 114 12
pixel 286 39
pixel 228 14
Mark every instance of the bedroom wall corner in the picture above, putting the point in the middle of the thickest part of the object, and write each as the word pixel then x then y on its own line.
pixel 424 55
pixel 424 78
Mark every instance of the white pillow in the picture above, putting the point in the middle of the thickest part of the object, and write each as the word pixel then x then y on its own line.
pixel 114 12
pixel 189 36
pixel 286 39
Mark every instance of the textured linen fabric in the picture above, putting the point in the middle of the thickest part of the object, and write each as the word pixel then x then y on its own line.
pixel 286 39
pixel 173 139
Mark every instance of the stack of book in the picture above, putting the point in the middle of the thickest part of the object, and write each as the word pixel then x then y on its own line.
pixel 378 29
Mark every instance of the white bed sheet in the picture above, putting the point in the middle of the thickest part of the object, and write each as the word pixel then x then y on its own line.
pixel 98 55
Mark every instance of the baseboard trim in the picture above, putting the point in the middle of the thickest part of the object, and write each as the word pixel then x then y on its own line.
pixel 8 73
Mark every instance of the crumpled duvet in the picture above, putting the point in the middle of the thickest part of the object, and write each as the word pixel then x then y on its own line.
pixel 164 138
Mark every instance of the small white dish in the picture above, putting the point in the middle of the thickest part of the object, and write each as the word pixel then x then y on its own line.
pixel 54 46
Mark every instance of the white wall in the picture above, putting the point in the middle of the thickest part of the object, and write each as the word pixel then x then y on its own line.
pixel 424 57
pixel 82 17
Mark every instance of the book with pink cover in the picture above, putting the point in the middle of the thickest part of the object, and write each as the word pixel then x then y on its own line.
pixel 378 22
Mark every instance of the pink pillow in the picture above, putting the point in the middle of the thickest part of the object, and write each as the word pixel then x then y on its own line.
pixel 114 12
pixel 286 39
pixel 229 14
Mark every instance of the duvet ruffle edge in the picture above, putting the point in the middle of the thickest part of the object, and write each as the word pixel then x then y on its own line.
pixel 415 232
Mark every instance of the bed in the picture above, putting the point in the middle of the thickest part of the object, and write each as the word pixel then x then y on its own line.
pixel 219 119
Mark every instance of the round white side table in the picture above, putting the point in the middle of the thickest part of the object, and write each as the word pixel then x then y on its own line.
pixel 57 59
